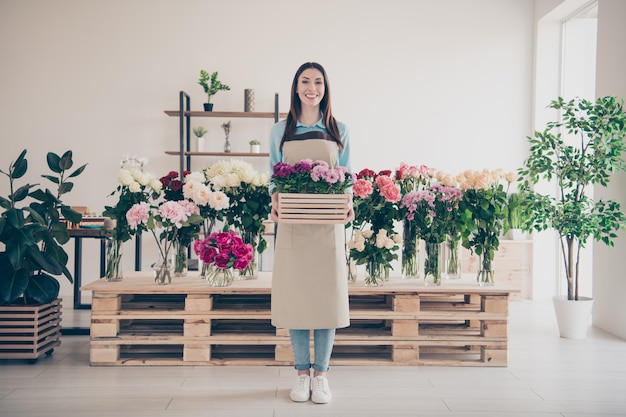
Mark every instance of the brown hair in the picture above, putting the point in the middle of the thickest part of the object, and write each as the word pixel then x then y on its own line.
pixel 296 107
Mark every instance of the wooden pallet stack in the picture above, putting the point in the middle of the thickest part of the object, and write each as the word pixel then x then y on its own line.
pixel 136 322
pixel 29 331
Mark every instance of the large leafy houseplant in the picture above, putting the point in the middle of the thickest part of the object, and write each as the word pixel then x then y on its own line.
pixel 579 151
pixel 33 234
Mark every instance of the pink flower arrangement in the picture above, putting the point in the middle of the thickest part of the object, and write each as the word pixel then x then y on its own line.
pixel 308 176
pixel 411 177
pixel 434 210
pixel 224 250
pixel 375 200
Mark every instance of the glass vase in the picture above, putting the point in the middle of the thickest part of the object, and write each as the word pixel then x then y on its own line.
pixel 433 263
pixel 252 270
pixel 113 271
pixel 410 250
pixel 204 268
pixel 352 271
pixel 375 273
pixel 220 277
pixel 162 271
pixel 180 259
pixel 485 272
pixel 227 147
pixel 453 257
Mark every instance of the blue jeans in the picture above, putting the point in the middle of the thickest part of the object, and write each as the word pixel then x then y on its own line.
pixel 323 340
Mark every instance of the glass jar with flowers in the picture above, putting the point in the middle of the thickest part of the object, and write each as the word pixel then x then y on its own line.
pixel 212 205
pixel 434 211
pixel 375 207
pixel 249 205
pixel 376 251
pixel 483 212
pixel 225 251
pixel 170 216
pixel 173 191
pixel 135 186
pixel 411 178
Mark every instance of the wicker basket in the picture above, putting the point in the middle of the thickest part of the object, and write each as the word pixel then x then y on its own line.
pixel 313 208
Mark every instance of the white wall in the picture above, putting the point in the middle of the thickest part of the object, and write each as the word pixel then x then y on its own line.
pixel 609 278
pixel 446 83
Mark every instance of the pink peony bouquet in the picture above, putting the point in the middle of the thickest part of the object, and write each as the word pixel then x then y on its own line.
pixel 224 250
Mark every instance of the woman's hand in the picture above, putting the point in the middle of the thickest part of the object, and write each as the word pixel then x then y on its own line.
pixel 274 213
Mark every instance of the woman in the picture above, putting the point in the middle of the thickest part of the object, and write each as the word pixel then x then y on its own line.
pixel 309 282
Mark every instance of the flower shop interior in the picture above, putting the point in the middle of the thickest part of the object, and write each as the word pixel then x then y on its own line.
pixel 454 85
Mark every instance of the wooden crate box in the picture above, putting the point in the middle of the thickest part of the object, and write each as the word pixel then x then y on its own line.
pixel 313 208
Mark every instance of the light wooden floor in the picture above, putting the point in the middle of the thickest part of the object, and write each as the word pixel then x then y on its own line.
pixel 547 377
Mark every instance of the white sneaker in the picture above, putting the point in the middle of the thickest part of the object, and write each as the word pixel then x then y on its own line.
pixel 302 390
pixel 321 391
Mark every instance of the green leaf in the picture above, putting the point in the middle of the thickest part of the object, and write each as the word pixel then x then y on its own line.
pixel 54 162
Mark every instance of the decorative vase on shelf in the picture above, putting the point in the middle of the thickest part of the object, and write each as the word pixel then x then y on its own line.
pixel 248 100
pixel 375 273
pixel 162 271
pixel 180 259
pixel 452 257
pixel 114 260
pixel 410 250
pixel 255 148
pixel 433 263
pixel 227 147
pixel 485 272
pixel 220 277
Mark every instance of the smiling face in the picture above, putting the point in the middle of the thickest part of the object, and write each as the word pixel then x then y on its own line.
pixel 311 87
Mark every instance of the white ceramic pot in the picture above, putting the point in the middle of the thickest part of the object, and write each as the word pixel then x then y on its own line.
pixel 255 148
pixel 573 317
pixel 515 234
pixel 200 145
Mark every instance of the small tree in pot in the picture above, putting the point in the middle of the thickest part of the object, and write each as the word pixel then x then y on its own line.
pixel 595 152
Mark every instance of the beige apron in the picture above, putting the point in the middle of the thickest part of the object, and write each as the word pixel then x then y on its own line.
pixel 309 277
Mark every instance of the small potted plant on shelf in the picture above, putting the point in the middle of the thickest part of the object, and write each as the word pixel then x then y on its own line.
pixel 211 86
pixel 199 132
pixel 255 146
pixel 580 150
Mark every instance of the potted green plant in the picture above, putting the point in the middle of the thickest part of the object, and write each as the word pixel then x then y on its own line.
pixel 211 86
pixel 255 146
pixel 33 234
pixel 199 132
pixel 516 223
pixel 579 151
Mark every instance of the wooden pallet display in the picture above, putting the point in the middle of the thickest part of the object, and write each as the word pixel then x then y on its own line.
pixel 313 208
pixel 29 331
pixel 401 323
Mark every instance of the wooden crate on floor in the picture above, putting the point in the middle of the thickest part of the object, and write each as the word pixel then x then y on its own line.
pixel 29 331
pixel 136 322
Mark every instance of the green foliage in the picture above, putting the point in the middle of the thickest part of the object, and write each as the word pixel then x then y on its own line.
pixel 211 84
pixel 518 217
pixel 199 131
pixel 581 150
pixel 33 234
pixel 482 213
